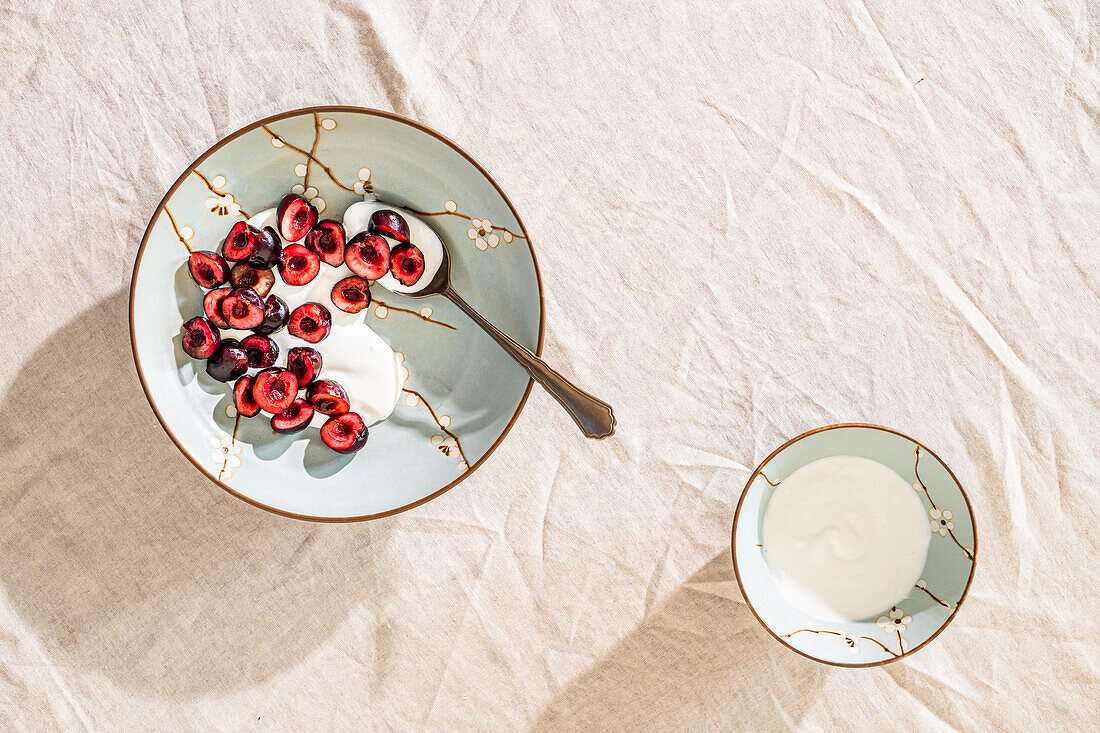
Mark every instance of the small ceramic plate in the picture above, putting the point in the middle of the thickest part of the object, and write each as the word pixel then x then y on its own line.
pixel 896 632
pixel 463 392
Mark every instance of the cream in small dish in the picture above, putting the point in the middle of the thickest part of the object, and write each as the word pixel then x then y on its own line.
pixel 853 544
pixel 845 537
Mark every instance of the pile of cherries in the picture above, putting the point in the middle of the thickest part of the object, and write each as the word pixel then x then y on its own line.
pixel 241 305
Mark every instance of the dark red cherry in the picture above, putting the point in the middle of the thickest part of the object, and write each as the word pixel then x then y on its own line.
pixel 310 322
pixel 294 418
pixel 389 223
pixel 239 243
pixel 242 397
pixel 406 264
pixel 295 217
pixel 351 295
pixel 275 389
pixel 327 239
pixel 244 275
pixel 200 338
pixel 345 433
pixel 208 268
pixel 368 255
pixel 305 362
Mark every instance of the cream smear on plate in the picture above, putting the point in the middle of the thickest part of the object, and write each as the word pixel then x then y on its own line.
pixel 352 354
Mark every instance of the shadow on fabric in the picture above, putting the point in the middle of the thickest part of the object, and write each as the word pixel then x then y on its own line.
pixel 700 656
pixel 124 557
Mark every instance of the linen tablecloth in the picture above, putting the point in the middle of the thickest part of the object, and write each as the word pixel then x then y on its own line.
pixel 752 219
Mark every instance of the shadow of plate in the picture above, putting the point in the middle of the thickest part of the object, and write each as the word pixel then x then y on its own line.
pixel 699 661
pixel 127 559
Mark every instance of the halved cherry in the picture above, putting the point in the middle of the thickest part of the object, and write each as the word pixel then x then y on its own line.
pixel 406 263
pixel 295 216
pixel 243 309
pixel 266 249
pixel 208 268
pixel 276 314
pixel 309 322
pixel 390 224
pixel 244 275
pixel 242 397
pixel 294 418
pixel 274 389
pixel 262 351
pixel 228 361
pixel 305 362
pixel 345 433
pixel 212 306
pixel 351 295
pixel 327 397
pixel 240 241
pixel 368 255
pixel 328 239
pixel 298 265
pixel 200 337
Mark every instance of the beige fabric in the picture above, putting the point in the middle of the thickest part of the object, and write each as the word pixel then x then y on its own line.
pixel 752 219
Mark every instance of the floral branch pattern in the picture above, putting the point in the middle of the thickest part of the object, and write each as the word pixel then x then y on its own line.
pixel 852 641
pixel 893 624
pixel 896 622
pixel 279 141
pixel 482 232
pixel 304 189
pixel 313 149
pixel 222 202
pixel 382 309
pixel 185 240
pixel 228 452
pixel 922 585
pixel 940 518
pixel 445 446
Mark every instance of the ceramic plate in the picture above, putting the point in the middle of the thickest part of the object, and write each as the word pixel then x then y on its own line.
pixel 462 393
pixel 896 632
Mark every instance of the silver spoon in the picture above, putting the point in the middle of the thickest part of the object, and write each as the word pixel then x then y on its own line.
pixel 594 416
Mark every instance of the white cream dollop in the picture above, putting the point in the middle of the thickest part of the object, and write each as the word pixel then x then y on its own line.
pixel 356 219
pixel 352 354
pixel 845 538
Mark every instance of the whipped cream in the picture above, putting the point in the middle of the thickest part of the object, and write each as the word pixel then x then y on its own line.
pixel 352 354
pixel 845 538
pixel 356 219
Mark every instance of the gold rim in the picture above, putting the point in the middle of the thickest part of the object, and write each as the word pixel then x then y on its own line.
pixel 282 116
pixel 759 472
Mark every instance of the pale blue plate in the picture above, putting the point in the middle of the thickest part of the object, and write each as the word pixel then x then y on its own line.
pixel 465 393
pixel 933 602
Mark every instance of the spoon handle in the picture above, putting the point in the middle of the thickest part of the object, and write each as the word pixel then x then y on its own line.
pixel 594 416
